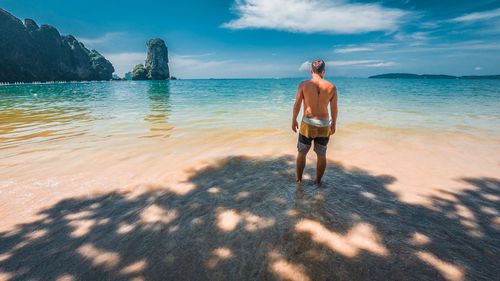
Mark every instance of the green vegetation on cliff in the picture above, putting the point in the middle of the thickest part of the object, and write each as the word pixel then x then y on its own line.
pixel 31 53
pixel 156 65
pixel 139 73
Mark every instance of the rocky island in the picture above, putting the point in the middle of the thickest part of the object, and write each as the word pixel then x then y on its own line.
pixel 30 53
pixel 156 65
pixel 431 76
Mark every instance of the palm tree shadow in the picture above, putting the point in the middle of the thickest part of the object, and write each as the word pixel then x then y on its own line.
pixel 246 219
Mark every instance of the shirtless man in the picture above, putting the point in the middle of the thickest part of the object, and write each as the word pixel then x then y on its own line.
pixel 317 124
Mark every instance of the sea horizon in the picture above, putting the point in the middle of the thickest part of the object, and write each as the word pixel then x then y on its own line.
pixel 250 78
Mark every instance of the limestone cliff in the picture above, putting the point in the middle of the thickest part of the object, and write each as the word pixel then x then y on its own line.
pixel 157 60
pixel 29 52
pixel 156 65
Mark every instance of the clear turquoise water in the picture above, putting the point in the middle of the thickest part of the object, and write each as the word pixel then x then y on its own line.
pixel 34 113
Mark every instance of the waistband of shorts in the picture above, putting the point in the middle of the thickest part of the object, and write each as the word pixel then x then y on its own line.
pixel 316 122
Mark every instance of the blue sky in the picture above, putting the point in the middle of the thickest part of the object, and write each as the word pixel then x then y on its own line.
pixel 276 38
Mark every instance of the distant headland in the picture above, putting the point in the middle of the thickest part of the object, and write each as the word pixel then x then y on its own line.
pixel 30 53
pixel 432 76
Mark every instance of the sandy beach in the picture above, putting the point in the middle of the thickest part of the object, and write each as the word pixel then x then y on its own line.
pixel 223 207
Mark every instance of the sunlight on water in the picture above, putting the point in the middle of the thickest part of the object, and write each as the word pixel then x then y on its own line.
pixel 91 114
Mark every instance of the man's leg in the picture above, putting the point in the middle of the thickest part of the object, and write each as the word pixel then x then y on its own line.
pixel 320 145
pixel 303 146
pixel 320 169
pixel 301 163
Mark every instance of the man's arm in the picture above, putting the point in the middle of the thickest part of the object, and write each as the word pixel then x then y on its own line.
pixel 296 108
pixel 333 110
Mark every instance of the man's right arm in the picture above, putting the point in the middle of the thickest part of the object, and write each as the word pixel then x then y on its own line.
pixel 296 108
pixel 333 110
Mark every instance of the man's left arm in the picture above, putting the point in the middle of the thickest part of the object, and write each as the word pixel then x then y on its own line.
pixel 333 110
pixel 296 108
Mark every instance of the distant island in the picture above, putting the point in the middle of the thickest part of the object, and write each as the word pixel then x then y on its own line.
pixel 32 53
pixel 156 65
pixel 432 76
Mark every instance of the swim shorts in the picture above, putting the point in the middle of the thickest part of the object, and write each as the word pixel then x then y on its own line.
pixel 320 144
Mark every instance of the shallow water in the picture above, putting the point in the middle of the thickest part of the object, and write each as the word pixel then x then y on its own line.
pixel 50 129
pixel 97 112
pixel 54 129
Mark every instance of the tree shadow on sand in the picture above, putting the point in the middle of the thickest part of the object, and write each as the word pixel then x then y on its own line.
pixel 245 219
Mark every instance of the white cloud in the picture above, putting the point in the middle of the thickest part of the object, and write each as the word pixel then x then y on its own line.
pixel 471 46
pixel 382 64
pixel 477 68
pixel 362 63
pixel 194 55
pixel 202 66
pixel 420 44
pixel 125 62
pixel 234 68
pixel 368 47
pixel 413 39
pixel 429 25
pixel 193 62
pixel 352 50
pixel 106 38
pixel 305 66
pixel 351 63
pixel 478 16
pixel 315 16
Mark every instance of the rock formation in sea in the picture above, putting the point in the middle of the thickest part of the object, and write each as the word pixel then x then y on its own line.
pixel 140 73
pixel 157 60
pixel 29 52
pixel 156 65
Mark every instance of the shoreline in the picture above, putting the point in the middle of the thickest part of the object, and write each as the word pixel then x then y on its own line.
pixel 422 164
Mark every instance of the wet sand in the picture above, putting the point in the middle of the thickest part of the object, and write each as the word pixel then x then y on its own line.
pixel 393 206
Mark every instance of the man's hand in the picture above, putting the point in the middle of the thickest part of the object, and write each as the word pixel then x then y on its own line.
pixel 295 125
pixel 332 128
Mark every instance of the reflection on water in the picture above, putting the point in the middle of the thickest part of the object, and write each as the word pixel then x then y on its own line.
pixel 41 113
pixel 159 104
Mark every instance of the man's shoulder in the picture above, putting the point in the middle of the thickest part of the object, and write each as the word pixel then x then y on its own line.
pixel 329 85
pixel 304 83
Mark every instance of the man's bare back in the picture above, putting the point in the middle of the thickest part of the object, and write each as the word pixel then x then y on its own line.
pixel 317 95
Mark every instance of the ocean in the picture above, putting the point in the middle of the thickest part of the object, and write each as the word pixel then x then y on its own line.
pixel 96 111
pixel 150 129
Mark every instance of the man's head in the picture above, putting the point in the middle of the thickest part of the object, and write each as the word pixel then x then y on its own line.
pixel 318 66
